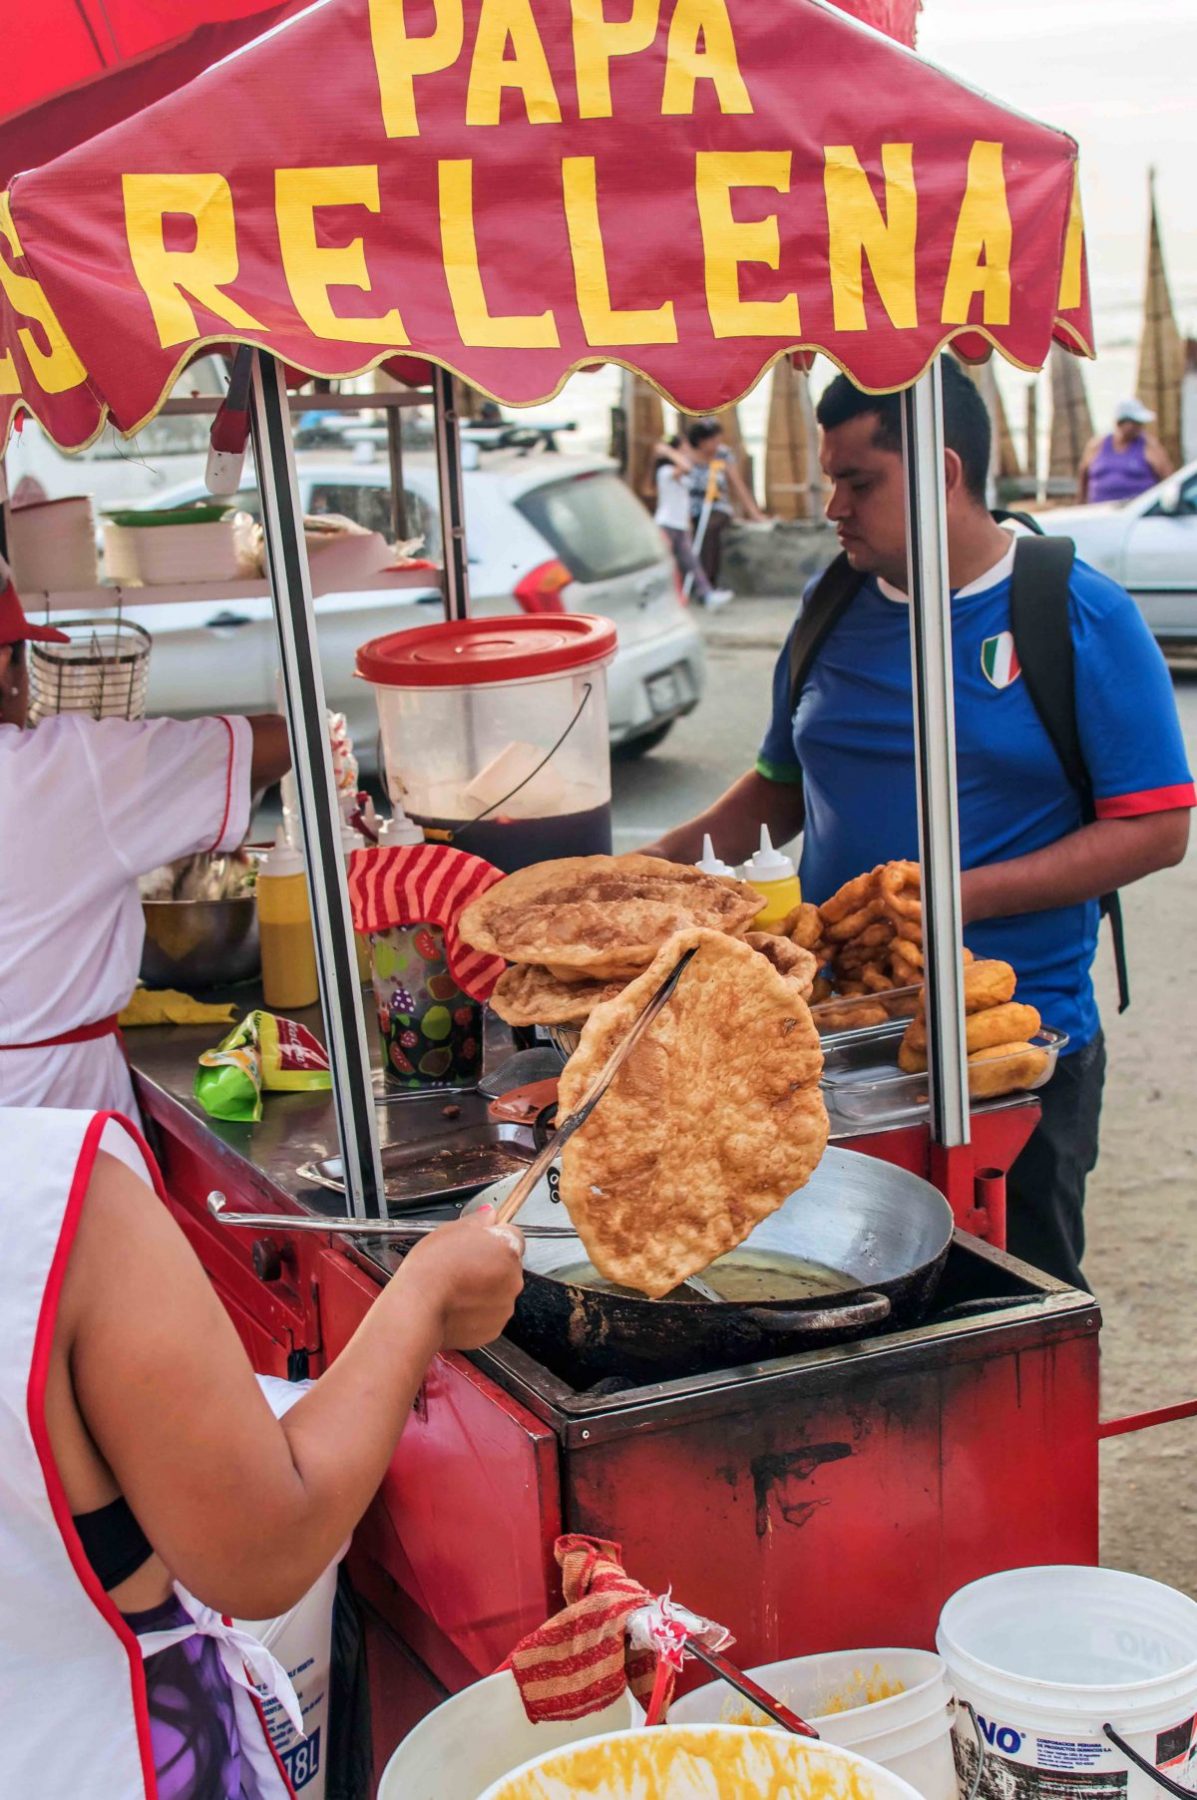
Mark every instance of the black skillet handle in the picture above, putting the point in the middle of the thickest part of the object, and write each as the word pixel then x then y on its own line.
pixel 864 1309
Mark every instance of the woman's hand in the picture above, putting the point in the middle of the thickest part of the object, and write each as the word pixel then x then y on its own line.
pixel 471 1272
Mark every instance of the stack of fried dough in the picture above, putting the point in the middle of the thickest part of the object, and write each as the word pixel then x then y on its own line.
pixel 998 1030
pixel 868 942
pixel 578 930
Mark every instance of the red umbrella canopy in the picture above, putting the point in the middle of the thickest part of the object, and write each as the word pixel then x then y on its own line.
pixel 49 45
pixel 691 188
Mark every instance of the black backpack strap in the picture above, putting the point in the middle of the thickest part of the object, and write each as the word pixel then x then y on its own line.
pixel 1042 632
pixel 824 606
pixel 1002 516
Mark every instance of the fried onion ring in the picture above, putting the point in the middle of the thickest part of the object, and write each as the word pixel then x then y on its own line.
pixel 850 898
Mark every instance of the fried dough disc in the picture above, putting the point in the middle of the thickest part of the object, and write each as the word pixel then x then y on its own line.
pixel 788 959
pixel 528 995
pixel 911 1061
pixel 714 1120
pixel 1004 1069
pixel 603 916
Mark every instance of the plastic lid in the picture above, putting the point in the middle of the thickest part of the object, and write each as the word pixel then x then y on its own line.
pixel 282 859
pixel 768 864
pixel 477 652
pixel 398 830
pixel 710 863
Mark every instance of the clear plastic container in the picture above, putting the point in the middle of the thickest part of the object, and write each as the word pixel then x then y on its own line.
pixel 863 1085
pixel 494 733
pixel 864 1012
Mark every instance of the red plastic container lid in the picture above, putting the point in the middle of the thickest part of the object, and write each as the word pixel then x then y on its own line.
pixel 475 652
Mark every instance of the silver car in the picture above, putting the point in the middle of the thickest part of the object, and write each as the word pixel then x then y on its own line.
pixel 547 530
pixel 1149 544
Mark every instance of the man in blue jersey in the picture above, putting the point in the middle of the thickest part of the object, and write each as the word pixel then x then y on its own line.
pixel 840 769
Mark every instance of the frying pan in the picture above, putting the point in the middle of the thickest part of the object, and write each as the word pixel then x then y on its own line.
pixel 884 1231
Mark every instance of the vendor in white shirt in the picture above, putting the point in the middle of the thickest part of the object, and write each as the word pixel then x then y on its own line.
pixel 86 808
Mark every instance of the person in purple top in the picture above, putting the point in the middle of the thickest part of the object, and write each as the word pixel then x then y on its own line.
pixel 1127 462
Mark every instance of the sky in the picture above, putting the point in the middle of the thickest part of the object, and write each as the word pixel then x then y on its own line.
pixel 1119 75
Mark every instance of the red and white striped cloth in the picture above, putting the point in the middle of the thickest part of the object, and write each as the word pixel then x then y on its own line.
pixel 426 884
pixel 579 1661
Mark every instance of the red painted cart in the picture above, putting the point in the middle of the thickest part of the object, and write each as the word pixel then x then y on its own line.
pixel 692 191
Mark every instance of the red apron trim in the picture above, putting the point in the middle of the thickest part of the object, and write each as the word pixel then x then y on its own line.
pixel 38 1375
pixel 80 1034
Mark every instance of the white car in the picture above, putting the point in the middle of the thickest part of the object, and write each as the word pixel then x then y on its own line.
pixel 1149 544
pixel 543 532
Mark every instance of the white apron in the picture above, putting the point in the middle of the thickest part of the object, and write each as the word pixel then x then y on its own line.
pixel 74 1723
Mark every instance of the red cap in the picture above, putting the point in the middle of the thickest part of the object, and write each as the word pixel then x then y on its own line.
pixel 14 626
pixel 477 652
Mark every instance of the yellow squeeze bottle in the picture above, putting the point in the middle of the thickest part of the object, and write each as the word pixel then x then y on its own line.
pixel 289 978
pixel 775 879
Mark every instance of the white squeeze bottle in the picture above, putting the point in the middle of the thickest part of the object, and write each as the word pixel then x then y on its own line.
pixel 399 830
pixel 775 879
pixel 710 863
pixel 352 840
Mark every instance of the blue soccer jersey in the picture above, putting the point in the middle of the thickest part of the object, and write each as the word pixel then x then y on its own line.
pixel 851 743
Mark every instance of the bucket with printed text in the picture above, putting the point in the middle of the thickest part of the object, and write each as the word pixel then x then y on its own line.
pixel 301 1640
pixel 1083 1684
pixel 893 1706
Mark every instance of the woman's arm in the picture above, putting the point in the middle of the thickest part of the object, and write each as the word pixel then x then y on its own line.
pixel 246 1510
pixel 1158 460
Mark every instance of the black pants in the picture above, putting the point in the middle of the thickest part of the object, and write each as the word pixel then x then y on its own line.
pixel 711 553
pixel 1046 1186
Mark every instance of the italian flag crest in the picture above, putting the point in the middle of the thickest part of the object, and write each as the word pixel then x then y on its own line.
pixel 999 660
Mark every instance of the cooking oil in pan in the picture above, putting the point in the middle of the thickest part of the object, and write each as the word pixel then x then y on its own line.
pixel 750 1277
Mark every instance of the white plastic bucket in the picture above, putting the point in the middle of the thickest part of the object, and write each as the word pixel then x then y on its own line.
pixel 302 1642
pixel 909 1733
pixel 700 1762
pixel 1048 1657
pixel 479 1736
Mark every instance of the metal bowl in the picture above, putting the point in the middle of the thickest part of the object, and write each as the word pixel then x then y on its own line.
pixel 200 943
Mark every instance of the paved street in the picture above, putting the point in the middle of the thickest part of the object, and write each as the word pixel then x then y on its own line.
pixel 1143 1247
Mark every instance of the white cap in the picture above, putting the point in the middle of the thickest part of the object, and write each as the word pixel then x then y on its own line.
pixel 282 859
pixel 1135 411
pixel 398 831
pixel 710 863
pixel 768 864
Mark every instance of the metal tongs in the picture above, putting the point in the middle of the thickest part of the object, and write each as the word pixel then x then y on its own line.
pixel 566 1127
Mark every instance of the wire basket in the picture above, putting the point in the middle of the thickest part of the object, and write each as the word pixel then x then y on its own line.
pixel 102 671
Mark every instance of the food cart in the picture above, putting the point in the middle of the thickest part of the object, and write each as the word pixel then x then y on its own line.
pixel 470 191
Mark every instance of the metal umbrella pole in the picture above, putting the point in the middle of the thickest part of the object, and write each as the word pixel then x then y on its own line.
pixel 935 753
pixel 307 716
pixel 452 495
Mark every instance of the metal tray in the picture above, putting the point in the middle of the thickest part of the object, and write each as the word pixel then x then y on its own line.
pixel 863 1085
pixel 842 1014
pixel 443 1165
